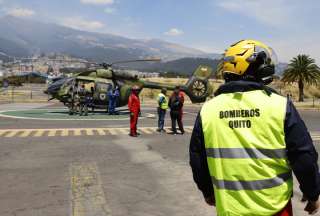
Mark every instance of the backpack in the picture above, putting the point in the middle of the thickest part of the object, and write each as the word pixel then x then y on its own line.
pixel 176 103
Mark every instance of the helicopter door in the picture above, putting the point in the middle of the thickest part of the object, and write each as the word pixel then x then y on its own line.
pixel 101 93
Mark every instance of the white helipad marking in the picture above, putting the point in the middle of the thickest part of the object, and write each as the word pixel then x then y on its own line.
pixel 25 133
pixel 188 130
pixel 63 119
pixel 39 133
pixel 87 196
pixel 112 131
pixel 147 130
pixel 2 132
pixel 89 132
pixel 101 132
pixel 123 130
pixel 11 134
pixel 52 133
pixel 65 132
pixel 77 132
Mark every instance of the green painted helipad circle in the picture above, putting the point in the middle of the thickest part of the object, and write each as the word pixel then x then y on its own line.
pixel 60 114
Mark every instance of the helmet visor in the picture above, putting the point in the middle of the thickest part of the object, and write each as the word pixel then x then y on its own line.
pixel 270 56
pixel 274 57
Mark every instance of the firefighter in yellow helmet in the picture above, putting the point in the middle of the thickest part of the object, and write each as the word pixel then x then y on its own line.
pixel 248 139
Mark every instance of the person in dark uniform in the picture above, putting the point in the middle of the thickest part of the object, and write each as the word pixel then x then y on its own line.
pixel 248 140
pixel 91 99
pixel 73 92
pixel 83 101
pixel 111 100
pixel 116 95
pixel 176 102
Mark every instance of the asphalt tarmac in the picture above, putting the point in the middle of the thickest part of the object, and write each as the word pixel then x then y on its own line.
pixel 92 167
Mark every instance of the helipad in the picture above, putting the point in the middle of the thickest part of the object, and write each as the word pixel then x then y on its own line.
pixel 61 114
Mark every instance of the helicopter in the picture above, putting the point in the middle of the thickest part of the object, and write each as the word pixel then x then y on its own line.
pixel 102 77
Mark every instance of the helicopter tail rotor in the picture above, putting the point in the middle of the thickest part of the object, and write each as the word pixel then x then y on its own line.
pixel 198 87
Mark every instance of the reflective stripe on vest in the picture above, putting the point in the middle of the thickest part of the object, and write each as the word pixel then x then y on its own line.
pixel 252 185
pixel 164 104
pixel 246 152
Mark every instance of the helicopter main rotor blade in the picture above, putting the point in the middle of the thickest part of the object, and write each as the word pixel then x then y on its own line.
pixel 74 61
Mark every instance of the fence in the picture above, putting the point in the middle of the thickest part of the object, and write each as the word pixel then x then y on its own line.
pixel 25 93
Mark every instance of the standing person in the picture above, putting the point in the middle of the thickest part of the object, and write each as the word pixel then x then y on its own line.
pixel 91 99
pixel 116 96
pixel 176 103
pixel 162 108
pixel 83 102
pixel 180 123
pixel 73 91
pixel 247 140
pixel 111 100
pixel 134 108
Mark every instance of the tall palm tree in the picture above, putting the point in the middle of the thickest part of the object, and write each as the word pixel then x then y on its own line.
pixel 302 69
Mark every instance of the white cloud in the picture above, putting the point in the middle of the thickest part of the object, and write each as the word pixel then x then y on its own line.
pixel 174 32
pixel 82 24
pixel 274 12
pixel 98 2
pixel 109 10
pixel 21 12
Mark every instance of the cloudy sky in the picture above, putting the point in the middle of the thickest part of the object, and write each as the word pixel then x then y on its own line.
pixel 289 26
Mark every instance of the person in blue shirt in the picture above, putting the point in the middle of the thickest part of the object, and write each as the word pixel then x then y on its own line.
pixel 111 100
pixel 116 95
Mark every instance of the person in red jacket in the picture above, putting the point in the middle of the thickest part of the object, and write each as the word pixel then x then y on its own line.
pixel 181 96
pixel 134 108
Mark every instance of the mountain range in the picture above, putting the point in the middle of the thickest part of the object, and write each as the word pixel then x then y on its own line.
pixel 25 37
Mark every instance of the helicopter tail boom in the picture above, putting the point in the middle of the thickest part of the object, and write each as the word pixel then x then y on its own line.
pixel 198 87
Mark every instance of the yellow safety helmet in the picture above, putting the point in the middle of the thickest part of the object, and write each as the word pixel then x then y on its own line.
pixel 249 59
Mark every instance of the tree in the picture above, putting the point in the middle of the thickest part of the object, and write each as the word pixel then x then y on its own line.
pixel 302 69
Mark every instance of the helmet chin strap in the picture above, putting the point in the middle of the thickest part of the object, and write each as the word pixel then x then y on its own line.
pixel 267 80
pixel 228 77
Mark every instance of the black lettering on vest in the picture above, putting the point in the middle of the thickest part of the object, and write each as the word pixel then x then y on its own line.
pixel 238 113
pixel 236 124
pixel 257 111
pixel 242 113
pixel 252 113
pixel 248 124
pixel 247 113
pixel 231 124
pixel 221 114
pixel 232 113
pixel 239 124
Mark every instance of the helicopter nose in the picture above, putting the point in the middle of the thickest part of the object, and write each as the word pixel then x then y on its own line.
pixel 53 88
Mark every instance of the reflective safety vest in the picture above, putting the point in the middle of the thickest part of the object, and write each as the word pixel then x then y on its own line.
pixel 246 152
pixel 164 104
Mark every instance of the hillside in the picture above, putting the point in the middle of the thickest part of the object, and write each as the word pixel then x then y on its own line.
pixel 23 37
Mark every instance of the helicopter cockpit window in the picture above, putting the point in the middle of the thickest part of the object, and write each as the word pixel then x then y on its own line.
pixel 103 87
pixel 69 82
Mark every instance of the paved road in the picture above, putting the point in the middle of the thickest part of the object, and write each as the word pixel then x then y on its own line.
pixel 81 171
